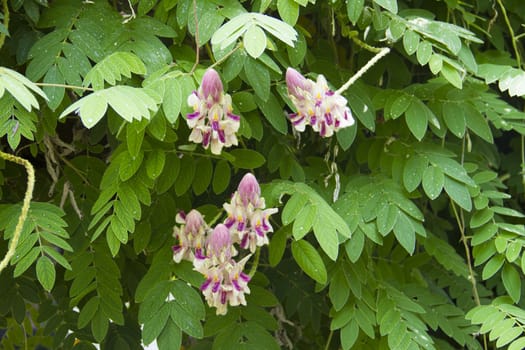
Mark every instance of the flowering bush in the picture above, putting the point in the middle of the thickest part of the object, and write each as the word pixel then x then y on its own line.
pixel 295 174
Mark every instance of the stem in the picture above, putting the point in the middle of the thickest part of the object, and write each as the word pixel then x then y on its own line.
pixel 5 8
pixel 25 205
pixel 255 264
pixel 467 253
pixel 133 14
pixel 65 86
pixel 329 340
pixel 364 45
pixel 225 57
pixel 196 36
pixel 363 70
pixel 217 217
pixel 511 31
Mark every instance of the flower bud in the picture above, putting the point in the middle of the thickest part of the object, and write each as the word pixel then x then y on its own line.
pixel 194 222
pixel 296 83
pixel 220 242
pixel 211 85
pixel 249 190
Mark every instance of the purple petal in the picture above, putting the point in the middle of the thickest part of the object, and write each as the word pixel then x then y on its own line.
pixel 215 287
pixel 206 284
pixel 244 277
pixel 193 115
pixel 222 136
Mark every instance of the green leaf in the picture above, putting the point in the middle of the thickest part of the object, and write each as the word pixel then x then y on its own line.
pixel 518 344
pixel 153 328
pixel 288 10
pixel 349 334
pixel 410 42
pixel 458 193
pixel 170 338
pixel 293 206
pixel 247 158
pixel 173 99
pixel 390 5
pixel 186 310
pixel 413 171
pixel 354 10
pixel 254 41
pixel 387 218
pixel 258 77
pixel 512 282
pixel 244 101
pixel 492 266
pixel 452 75
pixel 204 171
pixel 304 220
pixel 435 63
pixel 454 118
pixel 339 290
pixel 346 136
pixel 309 260
pixel 221 177
pixel 476 122
pixel 129 102
pixel 88 312
pixel 277 246
pixel 155 161
pixel 424 52
pixel 416 120
pixel 405 234
pixel 112 68
pixel 273 112
pixel 185 178
pixel 45 272
pixel 23 264
pixel 433 181
pixel 54 93
pixel 20 88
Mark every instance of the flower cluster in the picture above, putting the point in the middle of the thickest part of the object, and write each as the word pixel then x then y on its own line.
pixel 212 121
pixel 317 105
pixel 247 217
pixel 213 252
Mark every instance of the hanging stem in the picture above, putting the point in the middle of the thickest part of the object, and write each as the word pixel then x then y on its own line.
pixel 25 205
pixel 5 8
pixel 383 52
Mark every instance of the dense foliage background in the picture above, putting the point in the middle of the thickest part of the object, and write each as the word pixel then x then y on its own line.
pixel 403 231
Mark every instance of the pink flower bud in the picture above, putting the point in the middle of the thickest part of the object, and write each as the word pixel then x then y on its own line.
pixel 212 85
pixel 296 83
pixel 249 190
pixel 220 241
pixel 194 222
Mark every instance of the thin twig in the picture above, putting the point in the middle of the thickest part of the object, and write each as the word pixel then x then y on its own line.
pixel 66 86
pixel 363 70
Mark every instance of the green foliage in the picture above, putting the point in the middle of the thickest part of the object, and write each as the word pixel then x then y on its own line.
pixel 402 231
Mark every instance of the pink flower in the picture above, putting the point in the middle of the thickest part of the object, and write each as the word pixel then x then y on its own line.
pixel 248 220
pixel 212 120
pixel 190 236
pixel 318 106
pixel 220 248
pixel 226 284
pixel 249 190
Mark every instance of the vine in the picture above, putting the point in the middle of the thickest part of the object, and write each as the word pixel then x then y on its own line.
pixel 25 205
